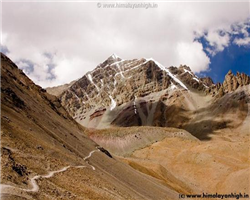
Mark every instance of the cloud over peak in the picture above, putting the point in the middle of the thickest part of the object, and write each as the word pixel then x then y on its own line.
pixel 56 43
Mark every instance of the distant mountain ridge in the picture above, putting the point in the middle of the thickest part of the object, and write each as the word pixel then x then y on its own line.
pixel 58 90
pixel 129 93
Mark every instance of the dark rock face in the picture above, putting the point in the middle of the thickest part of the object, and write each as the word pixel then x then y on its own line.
pixel 207 81
pixel 98 113
pixel 105 151
pixel 185 74
pixel 12 97
pixel 20 169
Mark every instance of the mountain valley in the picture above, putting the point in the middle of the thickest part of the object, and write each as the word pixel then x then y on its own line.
pixel 129 129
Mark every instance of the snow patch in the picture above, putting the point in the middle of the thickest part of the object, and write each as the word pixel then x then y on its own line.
pixel 118 74
pixel 114 56
pixel 196 79
pixel 76 96
pixel 169 73
pixel 120 71
pixel 205 86
pixel 113 103
pixel 91 80
pixel 116 63
pixel 87 95
pixel 134 105
pixel 187 71
pixel 173 86
pixel 137 66
pixel 126 65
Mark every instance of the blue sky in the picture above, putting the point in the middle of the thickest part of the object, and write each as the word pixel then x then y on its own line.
pixel 233 57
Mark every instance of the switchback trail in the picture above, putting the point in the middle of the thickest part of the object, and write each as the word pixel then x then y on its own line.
pixel 33 181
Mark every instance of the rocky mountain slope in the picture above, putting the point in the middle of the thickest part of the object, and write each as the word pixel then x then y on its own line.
pixel 215 161
pixel 142 92
pixel 58 90
pixel 45 154
pixel 118 85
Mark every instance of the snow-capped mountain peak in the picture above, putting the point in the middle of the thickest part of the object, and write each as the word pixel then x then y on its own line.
pixel 113 85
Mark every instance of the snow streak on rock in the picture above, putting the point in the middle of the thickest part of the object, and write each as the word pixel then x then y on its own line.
pixel 91 80
pixel 113 103
pixel 169 73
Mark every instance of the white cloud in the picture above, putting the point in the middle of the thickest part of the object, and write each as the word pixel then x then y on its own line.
pixel 23 65
pixel 4 37
pixel 242 28
pixel 79 35
pixel 192 54
pixel 242 41
pixel 67 70
pixel 217 41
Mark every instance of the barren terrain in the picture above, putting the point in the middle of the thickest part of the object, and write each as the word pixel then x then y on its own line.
pixel 199 143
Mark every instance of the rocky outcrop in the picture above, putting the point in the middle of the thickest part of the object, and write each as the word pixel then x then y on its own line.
pixel 185 74
pixel 207 81
pixel 232 82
